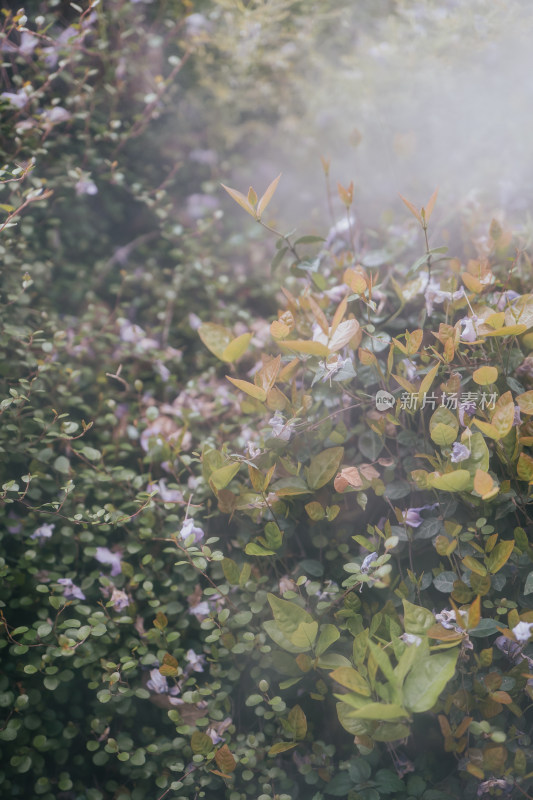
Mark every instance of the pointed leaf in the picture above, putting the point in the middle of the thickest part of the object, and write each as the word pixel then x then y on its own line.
pixel 455 481
pixel 225 759
pixel 215 337
pixel 267 196
pixel 428 678
pixel 281 747
pixel 298 722
pixel 411 208
pixel 236 348
pixel 306 347
pixel 351 679
pixel 431 205
pixel 305 634
pixel 383 711
pixel 324 466
pixel 250 388
pixel 220 478
pixel 328 636
pixel 241 199
pixel 500 555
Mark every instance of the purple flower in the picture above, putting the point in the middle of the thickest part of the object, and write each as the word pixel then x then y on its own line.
pixel 506 297
pixel 460 452
pixel 189 528
pixel 18 99
pixel 466 408
pixel 435 295
pixel 517 420
pixel 200 610
pixel 365 566
pixel 105 556
pixel 71 590
pixel 411 516
pixel 166 495
pixel 43 532
pixel 119 599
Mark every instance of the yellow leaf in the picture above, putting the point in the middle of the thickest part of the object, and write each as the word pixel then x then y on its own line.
pixel 431 205
pixel 245 386
pixel 472 283
pixel 487 429
pixel 509 330
pixel 474 565
pixel 412 209
pixel 485 375
pixel 252 196
pixel 500 555
pixel 524 468
pixel 266 376
pixel 215 337
pixel 355 280
pixel 351 679
pixel 281 747
pixel 525 401
pixel 366 357
pixel 241 199
pixel 319 315
pixel 484 484
pixel 236 348
pixel 495 320
pixel 268 195
pixel 503 417
pixel 339 315
pixel 279 329
pixel 455 481
pixel 276 400
pixel 428 380
pixel 474 613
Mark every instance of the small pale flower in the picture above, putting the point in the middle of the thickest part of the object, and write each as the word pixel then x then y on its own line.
pixel 43 531
pixel 517 419
pixel 469 333
pixel 190 529
pixel 365 566
pixel 200 610
pixel 196 661
pixel 167 495
pixel 434 295
pixel 119 599
pixel 252 451
pixel 446 619
pixel 506 297
pixel 280 429
pixel 411 638
pixel 17 99
pixel 522 631
pixel 86 187
pixel 157 683
pixel 460 452
pixel 106 556
pixel 71 590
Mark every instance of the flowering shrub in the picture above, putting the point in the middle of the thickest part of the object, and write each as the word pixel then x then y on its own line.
pixel 311 579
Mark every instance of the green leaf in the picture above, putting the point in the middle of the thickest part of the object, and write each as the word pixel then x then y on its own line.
pixel 201 743
pixel 528 586
pixel 215 337
pixel 305 635
pixel 339 786
pixel 236 348
pixel 351 679
pixel 416 618
pixel 328 635
pixel 498 557
pixel 384 711
pixel 455 481
pixel 230 570
pixel 443 426
pixel 288 615
pixel 324 466
pixel 281 747
pixel 427 679
pixel 298 722
pixel 254 549
pixel 273 535
pixel 220 477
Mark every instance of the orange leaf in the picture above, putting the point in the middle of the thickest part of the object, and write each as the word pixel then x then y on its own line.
pixel 267 197
pixel 411 208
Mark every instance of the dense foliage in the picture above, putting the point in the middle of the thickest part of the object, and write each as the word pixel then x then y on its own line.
pixel 247 554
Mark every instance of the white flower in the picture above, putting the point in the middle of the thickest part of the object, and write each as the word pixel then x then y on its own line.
pixel 522 631
pixel 166 495
pixel 252 451
pixel 189 529
pixel 410 638
pixel 196 661
pixel 43 532
pixel 18 99
pixel 280 429
pixel 106 556
pixel 200 610
pixel 157 683
pixel 469 333
pixel 434 295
